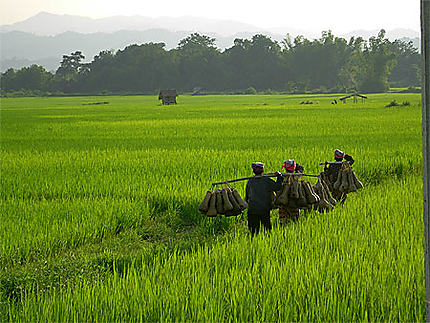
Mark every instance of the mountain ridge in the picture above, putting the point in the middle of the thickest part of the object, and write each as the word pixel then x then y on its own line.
pixel 22 48
pixel 45 23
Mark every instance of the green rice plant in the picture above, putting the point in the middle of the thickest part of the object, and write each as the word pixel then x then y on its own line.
pixel 60 155
pixel 73 176
pixel 347 265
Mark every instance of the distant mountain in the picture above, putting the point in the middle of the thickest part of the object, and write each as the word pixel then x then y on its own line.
pixel 51 24
pixel 44 38
pixel 25 45
pixel 49 63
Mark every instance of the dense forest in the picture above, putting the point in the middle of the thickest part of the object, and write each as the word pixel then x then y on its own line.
pixel 299 65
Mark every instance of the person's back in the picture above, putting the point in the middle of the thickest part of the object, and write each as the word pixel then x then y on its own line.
pixel 259 193
pixel 259 198
pixel 332 170
pixel 287 214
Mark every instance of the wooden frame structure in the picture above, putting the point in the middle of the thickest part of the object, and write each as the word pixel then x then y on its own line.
pixel 168 96
pixel 355 97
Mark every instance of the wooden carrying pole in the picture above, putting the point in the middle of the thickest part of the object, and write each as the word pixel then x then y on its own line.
pixel 265 175
pixel 425 50
pixel 332 163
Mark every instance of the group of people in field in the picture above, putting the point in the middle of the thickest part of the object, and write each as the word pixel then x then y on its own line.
pixel 259 191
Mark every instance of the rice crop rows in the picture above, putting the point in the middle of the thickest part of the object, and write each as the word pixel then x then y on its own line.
pixel 74 175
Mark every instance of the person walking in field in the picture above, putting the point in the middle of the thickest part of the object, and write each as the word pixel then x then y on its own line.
pixel 290 214
pixel 258 195
pixel 331 172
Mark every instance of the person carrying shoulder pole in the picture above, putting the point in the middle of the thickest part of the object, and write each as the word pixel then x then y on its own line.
pixel 259 198
pixel 332 170
pixel 287 214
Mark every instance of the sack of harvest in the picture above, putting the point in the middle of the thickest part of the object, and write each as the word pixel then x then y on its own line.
pixel 238 204
pixel 290 194
pixel 236 207
pixel 345 185
pixel 301 201
pixel 326 180
pixel 311 197
pixel 292 203
pixel 212 208
pixel 323 204
pixel 243 205
pixel 330 198
pixel 295 189
pixel 204 206
pixel 338 182
pixel 226 202
pixel 282 197
pixel 297 194
pixel 347 181
pixel 323 198
pixel 352 187
pixel 357 183
pixel 219 202
pixel 293 195
pixel 316 197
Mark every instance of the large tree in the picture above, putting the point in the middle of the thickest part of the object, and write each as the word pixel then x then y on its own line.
pixel 68 74
pixel 408 65
pixel 198 62
pixel 379 61
pixel 34 77
pixel 297 65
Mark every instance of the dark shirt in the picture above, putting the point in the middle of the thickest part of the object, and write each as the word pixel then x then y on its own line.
pixel 259 193
pixel 332 170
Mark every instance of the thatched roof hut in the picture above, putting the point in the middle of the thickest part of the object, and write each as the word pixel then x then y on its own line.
pixel 168 96
pixel 354 96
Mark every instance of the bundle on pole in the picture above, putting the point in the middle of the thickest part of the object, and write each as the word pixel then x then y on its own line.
pixel 226 201
pixel 347 181
pixel 296 194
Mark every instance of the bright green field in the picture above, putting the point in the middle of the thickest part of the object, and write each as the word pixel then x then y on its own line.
pixel 99 216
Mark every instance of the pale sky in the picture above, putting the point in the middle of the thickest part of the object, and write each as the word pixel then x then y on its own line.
pixel 312 15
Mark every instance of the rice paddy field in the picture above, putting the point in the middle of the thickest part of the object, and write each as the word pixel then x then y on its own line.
pixel 99 218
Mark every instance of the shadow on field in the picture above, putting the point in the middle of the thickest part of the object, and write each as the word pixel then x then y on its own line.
pixel 170 226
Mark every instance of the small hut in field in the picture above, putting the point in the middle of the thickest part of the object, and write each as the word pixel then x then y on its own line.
pixel 355 97
pixel 168 96
pixel 198 91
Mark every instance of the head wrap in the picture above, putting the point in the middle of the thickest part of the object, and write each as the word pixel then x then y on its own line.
pixel 289 165
pixel 339 154
pixel 257 167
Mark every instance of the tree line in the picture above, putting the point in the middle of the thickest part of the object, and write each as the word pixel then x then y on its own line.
pixel 298 65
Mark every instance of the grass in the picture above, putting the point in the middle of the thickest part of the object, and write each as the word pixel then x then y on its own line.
pixel 99 218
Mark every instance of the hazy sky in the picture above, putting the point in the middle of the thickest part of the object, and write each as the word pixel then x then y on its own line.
pixel 312 15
